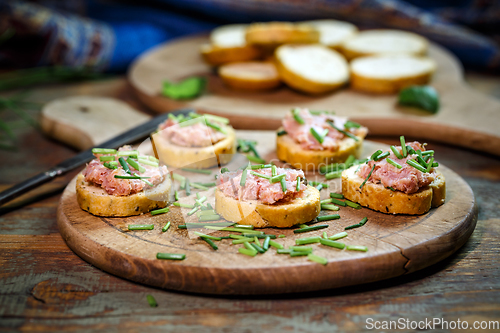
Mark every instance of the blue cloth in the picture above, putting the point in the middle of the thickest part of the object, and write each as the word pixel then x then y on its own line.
pixel 108 35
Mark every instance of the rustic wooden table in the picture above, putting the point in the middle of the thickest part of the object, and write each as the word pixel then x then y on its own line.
pixel 44 286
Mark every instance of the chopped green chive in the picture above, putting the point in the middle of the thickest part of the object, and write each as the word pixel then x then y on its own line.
pixel 192 211
pixel 319 187
pixel 148 162
pixel 297 117
pixel 283 251
pixel 242 230
pixel 277 178
pixel 210 242
pixel 307 249
pixel 199 186
pixel 338 202
pixel 274 171
pixel 416 165
pixel 428 152
pixel 130 177
pixel 382 156
pixel 393 163
pixel 329 207
pixel 129 153
pixel 206 212
pixel 217 127
pixel 336 195
pixel 331 243
pixel 244 226
pixel 257 247
pixel 267 240
pixel 224 170
pixel 188 187
pixel 320 137
pixel 141 226
pixel 429 166
pixel 298 184
pixel 325 235
pixel 281 236
pixel 251 253
pixel 375 155
pixel 205 218
pixel 318 259
pixel 350 135
pixel 313 183
pixel 260 175
pixel 275 244
pixel 368 177
pixel 307 240
pixel 206 236
pixel 325 201
pixel 160 211
pixel 403 145
pixel 391 188
pixel 178 177
pixel 184 205
pixel 256 240
pixel 103 151
pixel 242 240
pixel 311 228
pixel 282 132
pixel 328 217
pixel 216 225
pixel 219 119
pixel 360 224
pixel 151 301
pixel 396 152
pixel 283 184
pixel 349 161
pixel 170 256
pixel 135 165
pixel 352 204
pixel 260 236
pixel 249 246
pixel 111 165
pixel 350 124
pixel 356 248
pixel 206 172
pixel 338 236
pixel 298 253
pixel 124 165
pixel 334 174
pixel 107 158
pixel 165 228
pixel 255 159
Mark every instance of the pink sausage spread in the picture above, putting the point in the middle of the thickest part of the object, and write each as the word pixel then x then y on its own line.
pixel 102 176
pixel 196 135
pixel 302 133
pixel 407 179
pixel 261 189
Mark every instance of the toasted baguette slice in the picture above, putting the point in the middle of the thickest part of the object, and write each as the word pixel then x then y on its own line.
pixel 379 198
pixel 97 201
pixel 196 157
pixel 250 75
pixel 217 55
pixel 230 35
pixel 333 33
pixel 272 34
pixel 383 41
pixel 387 74
pixel 291 152
pixel 313 69
pixel 280 215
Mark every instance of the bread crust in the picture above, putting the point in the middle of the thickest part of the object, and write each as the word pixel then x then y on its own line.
pixel 269 78
pixel 280 215
pixel 291 152
pixel 97 201
pixel 196 157
pixel 217 55
pixel 379 198
pixel 273 34
pixel 386 86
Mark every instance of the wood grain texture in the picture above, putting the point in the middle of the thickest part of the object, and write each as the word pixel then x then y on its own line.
pixel 467 118
pixel 397 244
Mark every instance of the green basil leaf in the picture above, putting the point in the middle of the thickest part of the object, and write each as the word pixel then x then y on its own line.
pixel 424 97
pixel 186 89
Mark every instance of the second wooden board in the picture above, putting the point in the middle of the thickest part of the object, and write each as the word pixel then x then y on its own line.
pixel 397 245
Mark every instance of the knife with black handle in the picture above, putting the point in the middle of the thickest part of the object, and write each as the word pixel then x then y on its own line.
pixel 129 136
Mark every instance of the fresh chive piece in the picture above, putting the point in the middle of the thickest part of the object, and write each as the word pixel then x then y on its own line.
pixel 396 152
pixel 259 236
pixel 188 187
pixel 428 152
pixel 420 159
pixel 320 137
pixel 283 251
pixel 249 246
pixel 363 221
pixel 107 158
pixel 332 243
pixel 200 200
pixel 410 150
pixel 199 186
pixel 247 252
pixel 243 179
pixel 165 228
pixel 329 207
pixel 257 247
pixel 356 248
pixel 242 230
pixel 298 253
pixel 192 121
pixel 338 202
pixel 282 132
pixel 375 155
pixel 160 211
pixel 325 235
pixel 128 153
pixel 403 145
pixel 336 195
pixel 338 236
pixel 124 165
pixel 325 201
pixel 350 124
pixel 307 240
pixel 184 205
pixel 217 127
pixel 416 165
pixel 298 184
pixel 368 177
pixel 178 177
pixel 224 170
pixel 360 224
pixel 352 204
pixel 170 256
pixel 242 240
pixel 328 217
pixel 313 183
pixel 205 172
pixel 303 226
pixel 192 211
pixel 429 166
pixel 260 175
pixel 349 161
pixel 297 116
pixel 311 228
pixel 141 226
pixel 275 244
pixel 383 155
pixel 206 212
pixel 135 165
pixel 205 218
pixel 277 178
pixel 210 242
pixel 302 248
pixel 281 236
pixel 148 162
pixel 103 151
pixel 206 236
pixel 129 177
pixel 255 159
pixel 334 174
pixel 233 236
pixel 219 119
pixel 391 188
pixel 350 135
pixel 265 246
pixel 319 187
pixel 151 301
pixel 251 147
pixel 318 259
pixel 393 163
pixel 244 226
pixel 256 240
pixel 283 184
pixel 274 171
pixel 216 225
pixel 110 165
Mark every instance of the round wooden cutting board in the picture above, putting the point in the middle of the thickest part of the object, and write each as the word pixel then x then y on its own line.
pixel 466 117
pixel 397 244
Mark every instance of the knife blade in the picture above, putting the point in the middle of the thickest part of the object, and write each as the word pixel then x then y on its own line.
pixel 74 162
